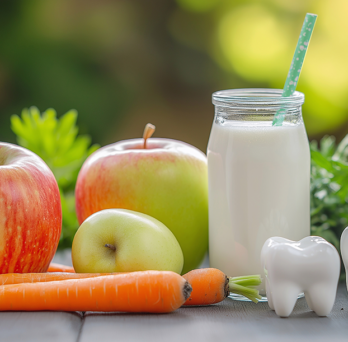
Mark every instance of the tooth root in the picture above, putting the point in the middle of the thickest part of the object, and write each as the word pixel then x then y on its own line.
pixel 269 294
pixel 321 298
pixel 270 301
pixel 284 297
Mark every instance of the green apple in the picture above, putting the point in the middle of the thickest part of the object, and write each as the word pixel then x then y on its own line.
pixel 119 240
pixel 166 179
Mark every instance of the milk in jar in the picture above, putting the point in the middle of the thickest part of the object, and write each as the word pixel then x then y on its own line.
pixel 259 177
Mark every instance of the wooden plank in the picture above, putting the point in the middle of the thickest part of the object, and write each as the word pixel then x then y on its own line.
pixel 229 320
pixel 39 326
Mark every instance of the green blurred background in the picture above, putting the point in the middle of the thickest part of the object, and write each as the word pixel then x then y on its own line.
pixel 124 63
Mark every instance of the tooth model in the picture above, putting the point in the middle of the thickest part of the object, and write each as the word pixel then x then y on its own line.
pixel 311 265
pixel 344 251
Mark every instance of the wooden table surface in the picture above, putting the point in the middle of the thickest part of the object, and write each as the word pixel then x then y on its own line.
pixel 226 321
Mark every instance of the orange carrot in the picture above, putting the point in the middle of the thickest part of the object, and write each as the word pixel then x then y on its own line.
pixel 210 285
pixel 60 268
pixel 146 291
pixel 19 278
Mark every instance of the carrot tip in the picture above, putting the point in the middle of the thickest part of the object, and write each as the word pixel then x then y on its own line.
pixel 187 290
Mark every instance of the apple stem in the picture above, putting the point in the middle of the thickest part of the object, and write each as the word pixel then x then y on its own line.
pixel 148 131
pixel 112 247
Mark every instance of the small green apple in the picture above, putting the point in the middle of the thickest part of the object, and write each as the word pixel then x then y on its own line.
pixel 166 179
pixel 120 240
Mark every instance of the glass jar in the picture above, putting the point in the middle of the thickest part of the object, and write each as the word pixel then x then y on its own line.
pixel 259 177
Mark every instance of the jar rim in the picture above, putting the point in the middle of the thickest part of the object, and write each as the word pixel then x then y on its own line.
pixel 256 96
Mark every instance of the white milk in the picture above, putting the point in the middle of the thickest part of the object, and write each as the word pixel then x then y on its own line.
pixel 259 178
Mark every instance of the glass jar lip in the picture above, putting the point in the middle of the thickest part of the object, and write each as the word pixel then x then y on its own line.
pixel 256 96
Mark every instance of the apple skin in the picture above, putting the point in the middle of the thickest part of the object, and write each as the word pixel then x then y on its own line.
pixel 142 243
pixel 167 180
pixel 31 216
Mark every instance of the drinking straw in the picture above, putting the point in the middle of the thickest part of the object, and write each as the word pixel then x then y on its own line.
pixel 296 64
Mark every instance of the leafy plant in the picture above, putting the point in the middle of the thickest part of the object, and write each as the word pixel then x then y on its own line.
pixel 57 142
pixel 329 189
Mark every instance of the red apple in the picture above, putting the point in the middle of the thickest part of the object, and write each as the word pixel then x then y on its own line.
pixel 166 180
pixel 30 211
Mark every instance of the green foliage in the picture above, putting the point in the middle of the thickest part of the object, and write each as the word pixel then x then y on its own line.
pixel 329 189
pixel 57 143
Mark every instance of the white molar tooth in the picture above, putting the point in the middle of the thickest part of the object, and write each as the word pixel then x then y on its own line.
pixel 311 265
pixel 344 251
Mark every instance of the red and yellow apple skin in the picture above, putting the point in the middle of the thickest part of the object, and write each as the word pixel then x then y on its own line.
pixel 30 211
pixel 167 180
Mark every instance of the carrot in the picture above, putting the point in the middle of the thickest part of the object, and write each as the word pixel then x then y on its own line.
pixel 210 285
pixel 19 278
pixel 60 268
pixel 146 291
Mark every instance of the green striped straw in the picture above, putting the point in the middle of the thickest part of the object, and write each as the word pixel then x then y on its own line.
pixel 296 64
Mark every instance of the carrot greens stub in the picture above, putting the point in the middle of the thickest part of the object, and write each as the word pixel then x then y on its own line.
pixel 245 286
